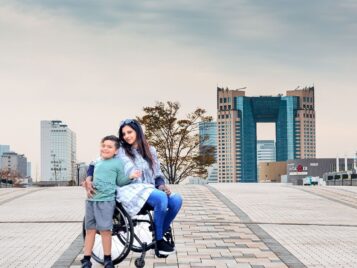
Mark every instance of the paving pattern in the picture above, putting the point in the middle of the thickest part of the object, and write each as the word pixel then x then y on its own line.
pixel 220 225
pixel 38 224
pixel 317 225
pixel 209 234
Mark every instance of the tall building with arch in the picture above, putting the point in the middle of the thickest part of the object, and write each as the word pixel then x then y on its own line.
pixel 237 118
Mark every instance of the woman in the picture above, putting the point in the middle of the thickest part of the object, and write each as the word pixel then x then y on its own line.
pixel 150 187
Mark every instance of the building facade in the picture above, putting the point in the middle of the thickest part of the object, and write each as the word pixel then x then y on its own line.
pixel 13 162
pixel 58 152
pixel 208 138
pixel 271 171
pixel 29 169
pixel 238 115
pixel 4 149
pixel 266 151
pixel 299 169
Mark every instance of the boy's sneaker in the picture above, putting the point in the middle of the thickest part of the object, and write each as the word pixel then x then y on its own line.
pixel 108 264
pixel 164 248
pixel 86 263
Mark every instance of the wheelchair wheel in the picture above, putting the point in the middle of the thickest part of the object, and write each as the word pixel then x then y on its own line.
pixel 142 233
pixel 122 238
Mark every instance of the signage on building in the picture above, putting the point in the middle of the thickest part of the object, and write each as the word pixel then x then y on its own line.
pixel 298 170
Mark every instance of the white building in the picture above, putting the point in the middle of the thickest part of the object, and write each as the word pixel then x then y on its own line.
pixel 58 152
pixel 29 170
pixel 13 162
pixel 266 151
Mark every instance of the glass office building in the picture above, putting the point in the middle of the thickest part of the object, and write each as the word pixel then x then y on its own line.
pixel 238 115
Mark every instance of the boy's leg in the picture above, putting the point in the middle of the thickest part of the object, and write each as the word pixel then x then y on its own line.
pixel 104 216
pixel 107 242
pixel 90 234
pixel 89 242
pixel 174 206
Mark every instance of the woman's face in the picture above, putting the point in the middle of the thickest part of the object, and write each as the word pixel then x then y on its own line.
pixel 129 135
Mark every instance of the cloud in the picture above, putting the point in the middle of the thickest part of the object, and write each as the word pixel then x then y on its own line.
pixel 84 60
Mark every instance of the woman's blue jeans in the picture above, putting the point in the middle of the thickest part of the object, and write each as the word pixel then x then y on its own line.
pixel 165 210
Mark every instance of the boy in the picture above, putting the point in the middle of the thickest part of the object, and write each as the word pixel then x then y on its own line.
pixel 100 205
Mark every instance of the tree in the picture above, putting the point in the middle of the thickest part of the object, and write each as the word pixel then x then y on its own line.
pixel 176 140
pixel 10 176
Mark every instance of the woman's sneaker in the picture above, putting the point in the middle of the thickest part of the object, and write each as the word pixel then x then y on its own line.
pixel 163 248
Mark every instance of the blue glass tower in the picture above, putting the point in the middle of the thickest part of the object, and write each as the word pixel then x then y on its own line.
pixel 238 116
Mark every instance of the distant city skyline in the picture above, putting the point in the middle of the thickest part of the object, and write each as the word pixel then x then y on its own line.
pixel 92 64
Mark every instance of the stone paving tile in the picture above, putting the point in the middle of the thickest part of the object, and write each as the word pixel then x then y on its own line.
pixel 208 234
pixel 8 194
pixel 339 194
pixel 277 203
pixel 34 245
pixel 320 239
pixel 324 246
pixel 47 204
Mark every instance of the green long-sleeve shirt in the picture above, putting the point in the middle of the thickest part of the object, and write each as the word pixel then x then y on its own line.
pixel 108 174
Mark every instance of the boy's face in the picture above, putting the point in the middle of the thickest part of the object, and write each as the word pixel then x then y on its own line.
pixel 107 149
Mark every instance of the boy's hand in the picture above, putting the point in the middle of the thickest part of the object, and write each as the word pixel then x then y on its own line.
pixel 136 174
pixel 89 187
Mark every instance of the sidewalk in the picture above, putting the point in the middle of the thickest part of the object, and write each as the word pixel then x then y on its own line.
pixel 220 225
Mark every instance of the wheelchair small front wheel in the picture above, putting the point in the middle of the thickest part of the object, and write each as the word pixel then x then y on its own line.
pixel 139 263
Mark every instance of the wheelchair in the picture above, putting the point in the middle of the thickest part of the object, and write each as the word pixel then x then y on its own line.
pixel 130 233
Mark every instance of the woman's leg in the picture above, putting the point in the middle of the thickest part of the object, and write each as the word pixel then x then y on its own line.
pixel 158 200
pixel 174 205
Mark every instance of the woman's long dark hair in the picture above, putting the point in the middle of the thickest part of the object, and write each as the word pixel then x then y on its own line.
pixel 143 146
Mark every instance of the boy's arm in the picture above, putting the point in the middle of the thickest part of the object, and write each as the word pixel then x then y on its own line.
pixel 122 179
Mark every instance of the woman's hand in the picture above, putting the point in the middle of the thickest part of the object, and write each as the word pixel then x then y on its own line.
pixel 136 174
pixel 165 188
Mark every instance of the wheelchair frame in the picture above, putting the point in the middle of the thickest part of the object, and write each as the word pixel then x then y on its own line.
pixel 126 236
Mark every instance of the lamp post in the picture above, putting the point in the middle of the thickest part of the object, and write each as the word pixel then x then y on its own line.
pixel 56 166
pixel 78 165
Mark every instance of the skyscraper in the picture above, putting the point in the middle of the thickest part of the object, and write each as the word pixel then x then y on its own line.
pixel 208 138
pixel 58 152
pixel 4 149
pixel 294 118
pixel 266 151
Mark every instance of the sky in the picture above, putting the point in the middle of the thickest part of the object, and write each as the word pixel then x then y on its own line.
pixel 93 63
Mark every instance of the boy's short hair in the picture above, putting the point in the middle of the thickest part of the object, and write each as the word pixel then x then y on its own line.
pixel 113 138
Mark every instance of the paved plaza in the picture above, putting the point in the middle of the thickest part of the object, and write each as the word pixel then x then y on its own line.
pixel 220 225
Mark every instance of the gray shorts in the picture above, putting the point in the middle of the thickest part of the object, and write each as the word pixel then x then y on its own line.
pixel 99 215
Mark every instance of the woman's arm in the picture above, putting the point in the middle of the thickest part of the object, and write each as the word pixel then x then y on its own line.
pixel 159 177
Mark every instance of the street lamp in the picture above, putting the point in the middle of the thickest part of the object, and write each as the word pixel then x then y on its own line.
pixel 78 165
